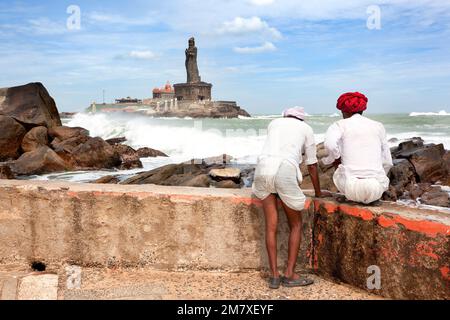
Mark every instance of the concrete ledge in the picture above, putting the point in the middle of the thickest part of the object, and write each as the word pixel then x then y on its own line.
pixel 167 228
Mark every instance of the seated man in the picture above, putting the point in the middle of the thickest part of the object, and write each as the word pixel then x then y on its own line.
pixel 358 148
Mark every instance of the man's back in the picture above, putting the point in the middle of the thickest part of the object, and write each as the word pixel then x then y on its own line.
pixel 361 143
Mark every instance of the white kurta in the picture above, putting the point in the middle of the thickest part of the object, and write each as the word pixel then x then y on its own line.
pixel 362 146
pixel 278 169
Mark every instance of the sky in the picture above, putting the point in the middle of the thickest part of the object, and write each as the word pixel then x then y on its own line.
pixel 265 54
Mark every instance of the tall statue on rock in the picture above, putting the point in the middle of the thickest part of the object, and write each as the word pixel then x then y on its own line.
pixel 193 75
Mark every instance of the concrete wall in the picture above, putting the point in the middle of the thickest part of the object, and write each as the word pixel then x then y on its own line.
pixel 188 228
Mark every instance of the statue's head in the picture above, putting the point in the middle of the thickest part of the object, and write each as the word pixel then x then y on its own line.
pixel 192 42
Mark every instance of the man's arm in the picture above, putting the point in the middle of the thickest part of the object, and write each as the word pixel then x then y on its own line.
pixel 385 152
pixel 332 139
pixel 314 174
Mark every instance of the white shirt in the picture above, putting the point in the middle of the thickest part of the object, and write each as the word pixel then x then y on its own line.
pixel 287 139
pixel 362 146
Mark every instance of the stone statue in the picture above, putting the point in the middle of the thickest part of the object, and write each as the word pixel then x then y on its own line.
pixel 193 75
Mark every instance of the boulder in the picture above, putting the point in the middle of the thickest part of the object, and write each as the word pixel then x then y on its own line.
pixel 39 161
pixel 107 180
pixel 11 135
pixel 30 104
pixel 233 174
pixel 95 153
pixel 418 189
pixel 64 133
pixel 435 197
pixel 183 174
pixel 115 141
pixel 227 184
pixel 128 156
pixel 428 163
pixel 407 147
pixel 150 153
pixel 5 172
pixel 35 138
pixel 401 175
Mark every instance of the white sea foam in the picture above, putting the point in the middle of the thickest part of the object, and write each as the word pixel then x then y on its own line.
pixel 440 113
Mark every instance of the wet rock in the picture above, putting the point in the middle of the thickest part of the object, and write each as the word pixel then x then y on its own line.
pixel 30 104
pixel 35 138
pixel 128 156
pixel 95 153
pixel 64 133
pixel 150 153
pixel 401 175
pixel 233 174
pixel 11 135
pixel 436 197
pixel 115 141
pixel 407 147
pixel 418 189
pixel 5 172
pixel 107 180
pixel 429 164
pixel 39 161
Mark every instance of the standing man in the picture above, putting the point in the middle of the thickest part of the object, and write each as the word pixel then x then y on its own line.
pixel 278 175
pixel 359 150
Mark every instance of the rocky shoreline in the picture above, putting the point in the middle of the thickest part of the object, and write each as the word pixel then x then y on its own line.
pixel 33 141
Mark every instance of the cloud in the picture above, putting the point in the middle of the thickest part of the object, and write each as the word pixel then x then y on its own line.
pixel 242 26
pixel 261 2
pixel 106 18
pixel 266 47
pixel 142 55
pixel 44 26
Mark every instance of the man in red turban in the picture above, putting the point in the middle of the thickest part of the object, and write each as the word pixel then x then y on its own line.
pixel 359 150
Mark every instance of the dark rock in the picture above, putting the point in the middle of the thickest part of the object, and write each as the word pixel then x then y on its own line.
pixel 437 198
pixel 11 135
pixel 5 172
pixel 67 115
pixel 418 189
pixel 429 164
pixel 115 141
pixel 407 147
pixel 391 194
pixel 95 153
pixel 150 153
pixel 107 180
pixel 35 138
pixel 227 184
pixel 128 156
pixel 401 175
pixel 65 133
pixel 39 161
pixel 30 104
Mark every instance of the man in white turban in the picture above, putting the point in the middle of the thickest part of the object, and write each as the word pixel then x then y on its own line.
pixel 278 175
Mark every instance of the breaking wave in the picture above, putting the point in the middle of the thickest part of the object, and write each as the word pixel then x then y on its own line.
pixel 440 113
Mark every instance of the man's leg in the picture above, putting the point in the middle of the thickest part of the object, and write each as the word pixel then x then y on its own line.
pixel 295 224
pixel 271 217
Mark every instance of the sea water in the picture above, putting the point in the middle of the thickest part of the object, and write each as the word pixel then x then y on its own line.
pixel 243 138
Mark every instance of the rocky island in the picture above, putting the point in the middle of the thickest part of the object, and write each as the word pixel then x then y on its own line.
pixel 190 99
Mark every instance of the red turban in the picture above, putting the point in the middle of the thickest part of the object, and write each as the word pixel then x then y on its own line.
pixel 352 102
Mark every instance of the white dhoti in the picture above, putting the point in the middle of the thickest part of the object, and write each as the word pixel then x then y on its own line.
pixel 277 176
pixel 363 190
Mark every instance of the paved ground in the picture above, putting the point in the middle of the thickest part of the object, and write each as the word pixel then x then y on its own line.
pixel 155 285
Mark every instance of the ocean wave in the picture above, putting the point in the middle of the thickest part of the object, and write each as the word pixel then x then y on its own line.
pixel 440 113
